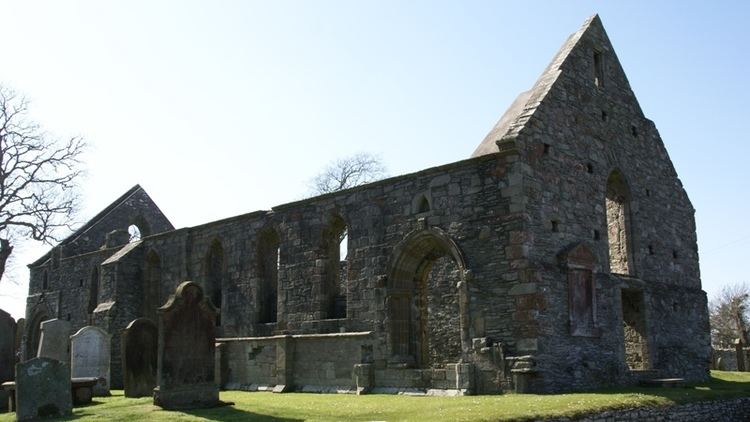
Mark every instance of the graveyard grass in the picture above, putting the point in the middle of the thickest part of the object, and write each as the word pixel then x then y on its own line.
pixel 262 406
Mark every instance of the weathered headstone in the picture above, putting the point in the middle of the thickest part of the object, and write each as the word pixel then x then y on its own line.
pixel 54 342
pixel 7 352
pixel 138 346
pixel 185 375
pixel 20 329
pixel 89 350
pixel 42 389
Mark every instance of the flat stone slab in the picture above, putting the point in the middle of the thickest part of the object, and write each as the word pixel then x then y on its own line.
pixel 664 382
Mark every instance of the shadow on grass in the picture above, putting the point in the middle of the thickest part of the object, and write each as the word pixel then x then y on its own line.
pixel 714 389
pixel 230 413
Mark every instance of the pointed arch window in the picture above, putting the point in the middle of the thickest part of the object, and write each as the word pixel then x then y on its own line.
pixel 93 290
pixel 214 275
pixel 152 285
pixel 336 252
pixel 618 224
pixel 269 255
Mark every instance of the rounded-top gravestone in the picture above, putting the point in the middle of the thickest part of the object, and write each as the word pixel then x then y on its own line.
pixel 138 345
pixel 90 355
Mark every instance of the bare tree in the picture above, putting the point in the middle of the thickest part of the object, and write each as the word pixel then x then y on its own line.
pixel 348 172
pixel 38 175
pixel 729 314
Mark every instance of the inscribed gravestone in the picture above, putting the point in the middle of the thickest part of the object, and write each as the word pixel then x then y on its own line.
pixel 185 375
pixel 54 341
pixel 89 350
pixel 7 351
pixel 42 389
pixel 138 346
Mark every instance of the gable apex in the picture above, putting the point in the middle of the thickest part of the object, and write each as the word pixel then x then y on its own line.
pixel 580 47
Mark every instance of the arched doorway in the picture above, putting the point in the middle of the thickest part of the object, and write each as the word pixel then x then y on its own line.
pixel 426 305
pixel 34 333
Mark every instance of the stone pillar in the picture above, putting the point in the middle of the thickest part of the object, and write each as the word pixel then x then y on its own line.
pixel 363 376
pixel 284 364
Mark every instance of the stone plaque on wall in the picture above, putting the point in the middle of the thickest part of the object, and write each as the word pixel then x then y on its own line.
pixel 138 346
pixel 185 375
pixel 42 389
pixel 90 355
pixel 54 342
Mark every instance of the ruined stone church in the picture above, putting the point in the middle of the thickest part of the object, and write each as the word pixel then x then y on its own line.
pixel 560 256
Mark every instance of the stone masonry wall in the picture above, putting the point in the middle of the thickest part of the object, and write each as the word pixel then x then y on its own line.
pixel 577 135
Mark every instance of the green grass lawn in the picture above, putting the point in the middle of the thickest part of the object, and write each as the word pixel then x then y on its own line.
pixel 332 407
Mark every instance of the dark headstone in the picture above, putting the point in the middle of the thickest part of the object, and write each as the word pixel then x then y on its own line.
pixel 138 346
pixel 54 342
pixel 185 375
pixel 20 329
pixel 42 389
pixel 7 351
pixel 90 355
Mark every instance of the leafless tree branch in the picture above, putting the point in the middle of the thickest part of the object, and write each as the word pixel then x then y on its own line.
pixel 348 172
pixel 38 175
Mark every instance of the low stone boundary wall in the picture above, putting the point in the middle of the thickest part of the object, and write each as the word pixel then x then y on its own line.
pixel 724 410
pixel 315 362
pixel 727 359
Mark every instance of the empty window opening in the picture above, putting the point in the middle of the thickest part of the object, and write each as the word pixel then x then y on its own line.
pixel 674 254
pixel 334 284
pixel 650 249
pixel 45 280
pixel 598 69
pixel 67 317
pixel 152 286
pixel 675 306
pixel 648 192
pixel 546 148
pixel 93 291
pixel 555 226
pixel 589 168
pixel 597 236
pixel 604 116
pixel 618 224
pixel 634 131
pixel 214 275
pixel 134 233
pixel 269 261
pixel 634 330
pixel 80 282
pixel 424 205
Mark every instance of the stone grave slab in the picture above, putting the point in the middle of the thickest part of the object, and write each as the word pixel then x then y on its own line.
pixel 54 342
pixel 90 355
pixel 138 346
pixel 7 351
pixel 42 389
pixel 185 375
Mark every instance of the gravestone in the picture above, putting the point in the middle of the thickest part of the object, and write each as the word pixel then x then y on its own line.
pixel 7 352
pixel 54 341
pixel 20 329
pixel 42 389
pixel 138 345
pixel 89 351
pixel 185 375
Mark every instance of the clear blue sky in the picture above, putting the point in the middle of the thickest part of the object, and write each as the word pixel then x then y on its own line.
pixel 221 108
